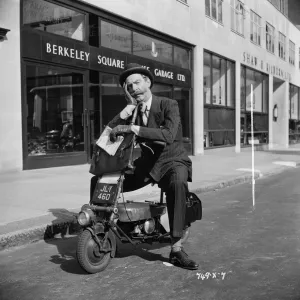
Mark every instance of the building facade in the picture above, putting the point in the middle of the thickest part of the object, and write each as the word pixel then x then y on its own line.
pixel 61 60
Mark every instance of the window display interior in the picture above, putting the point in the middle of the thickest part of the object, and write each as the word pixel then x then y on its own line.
pixel 54 111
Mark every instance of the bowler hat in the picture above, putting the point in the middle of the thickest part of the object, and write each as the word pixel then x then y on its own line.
pixel 134 68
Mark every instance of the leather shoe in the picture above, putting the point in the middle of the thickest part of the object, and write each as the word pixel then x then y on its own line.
pixel 181 259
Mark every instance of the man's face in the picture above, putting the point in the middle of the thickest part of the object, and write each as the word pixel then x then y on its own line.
pixel 138 87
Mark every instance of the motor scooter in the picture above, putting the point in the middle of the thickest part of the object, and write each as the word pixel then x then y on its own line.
pixel 108 216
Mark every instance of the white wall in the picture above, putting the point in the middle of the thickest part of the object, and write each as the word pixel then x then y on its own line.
pixel 10 89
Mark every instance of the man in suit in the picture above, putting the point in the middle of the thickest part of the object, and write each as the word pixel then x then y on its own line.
pixel 169 165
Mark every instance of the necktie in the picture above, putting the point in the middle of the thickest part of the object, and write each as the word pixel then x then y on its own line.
pixel 145 113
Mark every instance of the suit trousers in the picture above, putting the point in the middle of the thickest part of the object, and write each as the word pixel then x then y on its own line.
pixel 173 183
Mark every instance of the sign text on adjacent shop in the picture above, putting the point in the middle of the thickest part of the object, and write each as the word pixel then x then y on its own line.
pixel 255 62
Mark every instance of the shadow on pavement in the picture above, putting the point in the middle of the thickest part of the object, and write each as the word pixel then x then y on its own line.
pixel 63 236
pixel 143 251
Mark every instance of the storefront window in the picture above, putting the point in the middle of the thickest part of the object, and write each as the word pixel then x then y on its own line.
pixel 243 89
pixel 294 103
pixel 181 57
pixel 207 78
pixel 260 96
pixel 294 122
pixel 219 81
pixel 219 115
pixel 115 37
pixel 266 94
pixel 221 71
pixel 54 110
pixel 93 30
pixel 49 17
pixel 182 95
pixel 112 97
pixel 150 48
pixel 255 79
pixel 162 90
pixel 94 108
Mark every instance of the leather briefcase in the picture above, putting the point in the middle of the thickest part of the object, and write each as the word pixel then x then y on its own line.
pixel 193 208
pixel 103 163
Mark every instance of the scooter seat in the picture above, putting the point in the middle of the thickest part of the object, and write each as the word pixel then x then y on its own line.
pixel 135 211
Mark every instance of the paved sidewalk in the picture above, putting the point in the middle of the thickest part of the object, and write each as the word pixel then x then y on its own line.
pixel 41 203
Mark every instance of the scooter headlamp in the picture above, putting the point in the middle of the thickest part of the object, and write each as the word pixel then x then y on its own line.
pixel 85 217
pixel 149 226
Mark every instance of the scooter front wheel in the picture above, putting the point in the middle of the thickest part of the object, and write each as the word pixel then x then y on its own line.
pixel 89 256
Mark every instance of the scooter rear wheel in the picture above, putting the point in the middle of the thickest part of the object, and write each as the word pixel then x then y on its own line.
pixel 88 255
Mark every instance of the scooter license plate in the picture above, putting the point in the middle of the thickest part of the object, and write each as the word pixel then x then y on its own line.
pixel 105 193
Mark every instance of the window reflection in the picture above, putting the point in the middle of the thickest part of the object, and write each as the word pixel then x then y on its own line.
pixel 162 90
pixel 181 57
pixel 255 79
pixel 148 47
pixel 115 37
pixel 54 111
pixel 112 96
pixel 260 84
pixel 219 87
pixel 294 102
pixel 207 78
pixel 49 17
pixel 182 95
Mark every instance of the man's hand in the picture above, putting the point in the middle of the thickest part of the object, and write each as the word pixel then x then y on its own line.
pixel 119 130
pixel 130 100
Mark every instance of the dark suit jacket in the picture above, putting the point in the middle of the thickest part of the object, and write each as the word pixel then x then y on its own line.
pixel 164 125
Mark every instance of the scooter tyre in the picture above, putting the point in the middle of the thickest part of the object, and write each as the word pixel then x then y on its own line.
pixel 86 256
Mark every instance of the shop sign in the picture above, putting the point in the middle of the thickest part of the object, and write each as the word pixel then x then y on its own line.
pixel 67 52
pixel 108 60
pixel 74 53
pixel 266 67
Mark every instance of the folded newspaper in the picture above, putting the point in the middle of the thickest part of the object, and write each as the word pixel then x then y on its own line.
pixel 105 143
